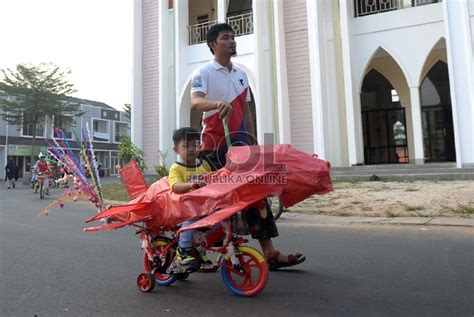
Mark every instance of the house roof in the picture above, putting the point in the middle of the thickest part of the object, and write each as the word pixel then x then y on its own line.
pixel 90 103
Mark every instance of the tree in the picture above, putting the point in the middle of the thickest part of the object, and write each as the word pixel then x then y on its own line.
pixel 128 110
pixel 37 93
pixel 128 151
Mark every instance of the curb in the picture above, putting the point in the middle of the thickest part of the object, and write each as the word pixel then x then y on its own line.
pixel 311 219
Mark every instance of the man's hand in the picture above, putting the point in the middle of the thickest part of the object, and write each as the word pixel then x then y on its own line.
pixel 224 109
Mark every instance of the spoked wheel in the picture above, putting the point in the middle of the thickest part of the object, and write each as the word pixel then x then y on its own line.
pixel 275 206
pixel 162 278
pixel 250 277
pixel 146 282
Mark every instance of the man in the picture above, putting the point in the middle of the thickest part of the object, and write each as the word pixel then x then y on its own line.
pixel 221 91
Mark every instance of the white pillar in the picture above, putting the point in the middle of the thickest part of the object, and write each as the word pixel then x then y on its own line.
pixel 221 11
pixel 317 69
pixel 263 71
pixel 166 83
pixel 283 100
pixel 461 77
pixel 137 98
pixel 353 125
pixel 415 101
pixel 181 42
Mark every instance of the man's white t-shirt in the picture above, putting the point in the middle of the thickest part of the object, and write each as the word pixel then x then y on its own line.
pixel 218 83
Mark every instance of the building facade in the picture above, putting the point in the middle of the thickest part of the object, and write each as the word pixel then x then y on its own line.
pixel 355 81
pixel 106 125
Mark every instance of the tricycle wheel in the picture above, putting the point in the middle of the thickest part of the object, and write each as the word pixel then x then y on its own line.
pixel 146 282
pixel 181 276
pixel 250 276
pixel 162 279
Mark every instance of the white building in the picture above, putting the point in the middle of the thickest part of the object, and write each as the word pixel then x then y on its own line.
pixel 356 81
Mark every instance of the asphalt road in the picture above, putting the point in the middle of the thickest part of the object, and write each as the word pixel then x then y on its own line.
pixel 50 267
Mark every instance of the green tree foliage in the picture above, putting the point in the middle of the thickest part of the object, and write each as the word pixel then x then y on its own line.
pixel 35 93
pixel 128 151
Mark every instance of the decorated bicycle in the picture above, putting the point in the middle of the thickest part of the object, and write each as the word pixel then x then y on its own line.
pixel 251 174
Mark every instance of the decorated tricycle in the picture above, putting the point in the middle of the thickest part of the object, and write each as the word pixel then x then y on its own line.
pixel 251 174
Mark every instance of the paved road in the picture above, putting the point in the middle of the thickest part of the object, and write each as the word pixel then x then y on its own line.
pixel 49 267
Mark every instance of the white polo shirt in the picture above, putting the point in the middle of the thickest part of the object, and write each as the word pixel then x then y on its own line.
pixel 218 83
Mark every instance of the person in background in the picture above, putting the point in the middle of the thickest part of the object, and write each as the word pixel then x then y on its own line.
pixel 11 173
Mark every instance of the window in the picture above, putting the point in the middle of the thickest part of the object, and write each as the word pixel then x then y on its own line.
pixel 64 123
pixel 100 130
pixel 121 131
pixel 395 96
pixel 28 127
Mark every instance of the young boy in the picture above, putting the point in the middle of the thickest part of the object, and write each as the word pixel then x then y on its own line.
pixel 184 177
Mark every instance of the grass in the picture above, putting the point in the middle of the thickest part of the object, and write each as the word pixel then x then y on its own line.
pixel 412 207
pixel 390 214
pixel 341 214
pixel 115 191
pixel 463 210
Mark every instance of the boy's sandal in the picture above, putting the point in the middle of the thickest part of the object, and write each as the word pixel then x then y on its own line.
pixel 293 259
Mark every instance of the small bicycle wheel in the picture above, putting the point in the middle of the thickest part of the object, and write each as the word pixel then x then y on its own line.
pixel 162 279
pixel 250 277
pixel 146 282
pixel 181 276
pixel 275 206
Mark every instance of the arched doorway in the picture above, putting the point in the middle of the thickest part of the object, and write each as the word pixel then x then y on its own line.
pixel 437 118
pixel 383 121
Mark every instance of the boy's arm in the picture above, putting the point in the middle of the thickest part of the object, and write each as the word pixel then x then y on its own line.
pixel 177 182
pixel 179 188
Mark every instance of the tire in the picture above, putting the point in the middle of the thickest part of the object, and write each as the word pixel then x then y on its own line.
pixel 181 276
pixel 275 206
pixel 146 282
pixel 41 190
pixel 162 279
pixel 253 277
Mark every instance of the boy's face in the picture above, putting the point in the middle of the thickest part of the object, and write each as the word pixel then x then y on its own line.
pixel 225 44
pixel 189 151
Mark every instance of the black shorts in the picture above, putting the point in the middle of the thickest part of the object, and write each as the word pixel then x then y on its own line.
pixel 259 227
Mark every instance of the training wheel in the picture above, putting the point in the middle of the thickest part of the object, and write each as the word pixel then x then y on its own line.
pixel 146 282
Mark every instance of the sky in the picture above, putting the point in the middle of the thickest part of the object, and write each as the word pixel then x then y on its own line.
pixel 92 38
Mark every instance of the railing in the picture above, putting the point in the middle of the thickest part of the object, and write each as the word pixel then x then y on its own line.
pixel 242 23
pixel 367 7
pixel 417 3
pixel 197 32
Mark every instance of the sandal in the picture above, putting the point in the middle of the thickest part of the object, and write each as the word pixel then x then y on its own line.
pixel 293 259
